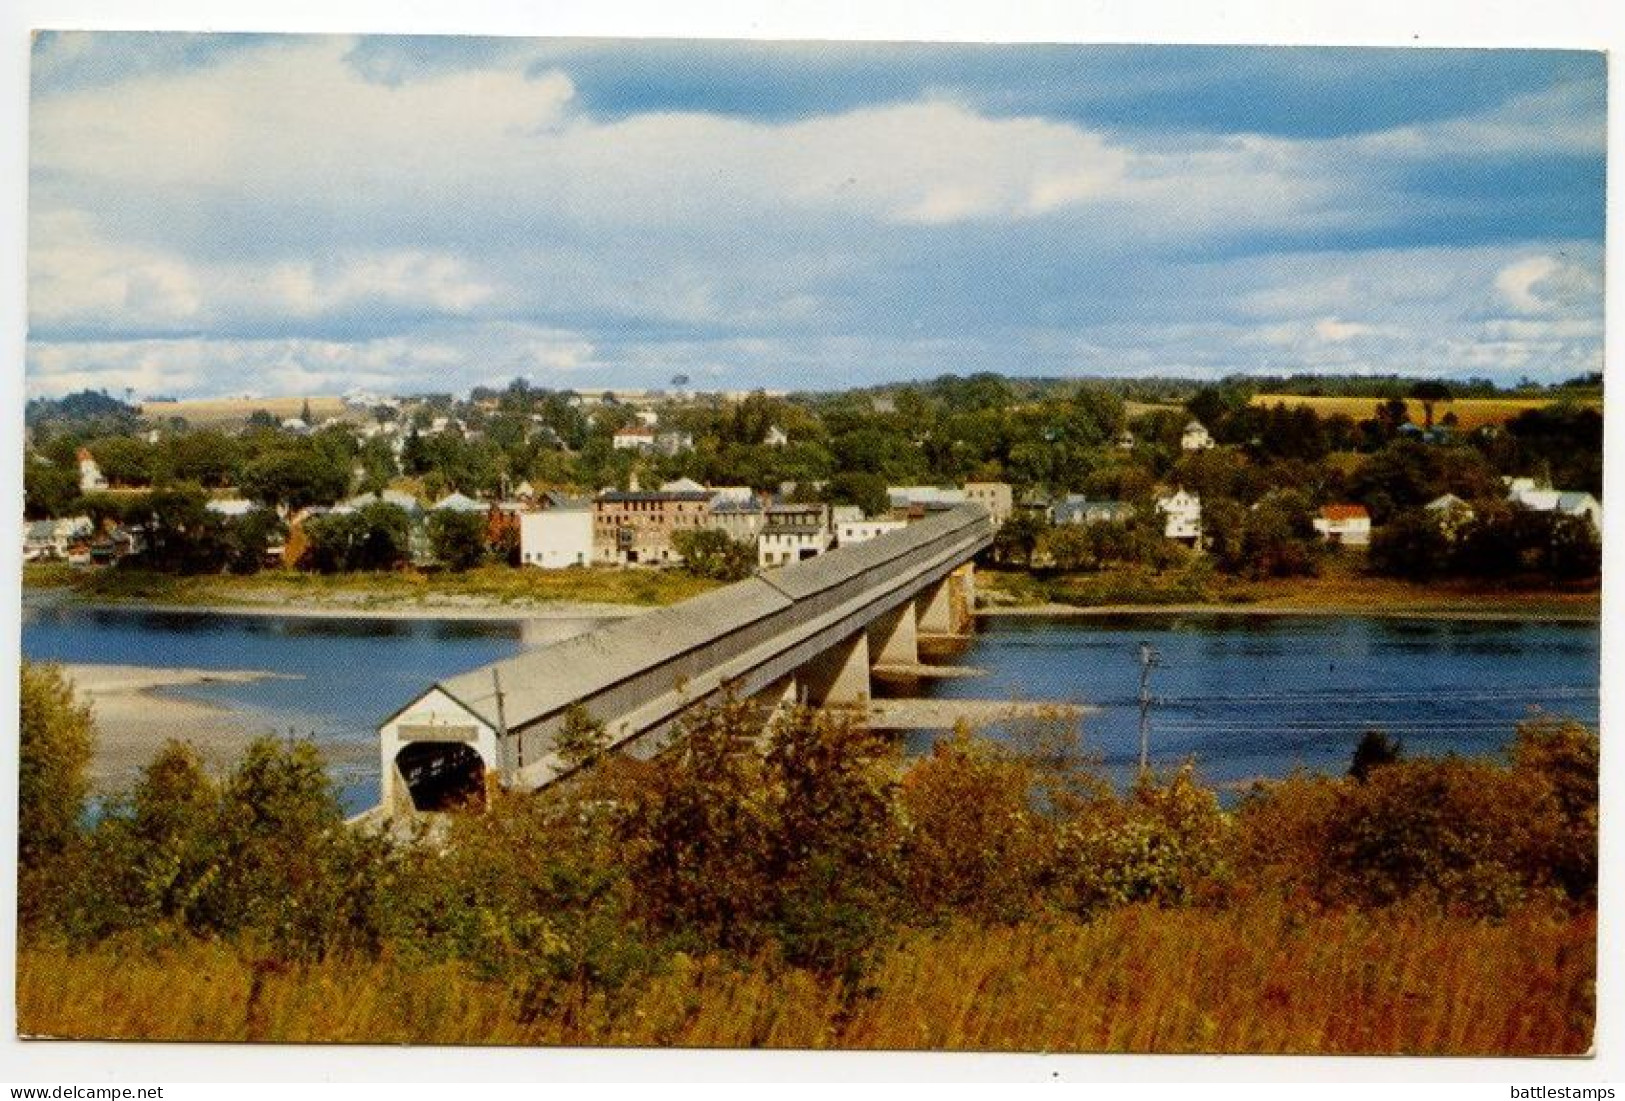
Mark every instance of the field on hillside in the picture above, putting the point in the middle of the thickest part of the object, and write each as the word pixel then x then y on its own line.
pixel 215 411
pixel 1470 413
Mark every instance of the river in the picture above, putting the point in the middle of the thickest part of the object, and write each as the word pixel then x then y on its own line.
pixel 1242 696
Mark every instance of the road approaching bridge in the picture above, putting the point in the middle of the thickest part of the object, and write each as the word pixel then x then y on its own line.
pixel 809 632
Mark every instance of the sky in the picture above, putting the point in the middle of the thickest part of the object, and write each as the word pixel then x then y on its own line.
pixel 215 215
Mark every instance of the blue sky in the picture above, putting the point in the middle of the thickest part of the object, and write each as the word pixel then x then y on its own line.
pixel 232 214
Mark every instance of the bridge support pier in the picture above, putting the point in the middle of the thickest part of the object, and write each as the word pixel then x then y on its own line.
pixel 839 677
pixel 894 638
pixel 935 609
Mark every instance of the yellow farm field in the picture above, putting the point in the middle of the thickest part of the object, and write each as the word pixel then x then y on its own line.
pixel 206 411
pixel 1470 413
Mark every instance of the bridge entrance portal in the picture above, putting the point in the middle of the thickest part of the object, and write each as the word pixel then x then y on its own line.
pixel 441 776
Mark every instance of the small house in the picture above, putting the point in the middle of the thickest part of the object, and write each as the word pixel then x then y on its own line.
pixel 1345 525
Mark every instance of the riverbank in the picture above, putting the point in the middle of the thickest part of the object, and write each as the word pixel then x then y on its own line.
pixel 1342 589
pixel 137 710
pixel 493 592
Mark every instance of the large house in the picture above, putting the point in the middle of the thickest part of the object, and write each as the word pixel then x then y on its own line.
pixel 859 529
pixel 1348 525
pixel 1182 516
pixel 635 527
pixel 793 533
pixel 634 437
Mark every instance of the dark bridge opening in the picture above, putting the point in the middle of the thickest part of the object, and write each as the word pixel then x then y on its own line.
pixel 442 776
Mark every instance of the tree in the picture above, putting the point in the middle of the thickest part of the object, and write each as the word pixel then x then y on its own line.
pixel 1018 537
pixel 861 488
pixel 457 539
pixel 375 537
pixel 1430 392
pixel 1411 545
pixel 714 554
pixel 56 737
pixel 250 537
pixel 1375 749
pixel 49 490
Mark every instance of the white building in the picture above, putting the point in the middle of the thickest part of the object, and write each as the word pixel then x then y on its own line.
pixel 636 437
pixel 1349 525
pixel 555 538
pixel 793 533
pixel 776 436
pixel 1565 502
pixel 1196 437
pixel 90 475
pixel 1182 513
pixel 849 531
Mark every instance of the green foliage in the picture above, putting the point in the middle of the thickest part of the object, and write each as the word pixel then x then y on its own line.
pixel 582 739
pixel 1163 844
pixel 49 489
pixel 713 554
pixel 376 536
pixel 262 856
pixel 457 539
pixel 1411 545
pixel 698 833
pixel 56 736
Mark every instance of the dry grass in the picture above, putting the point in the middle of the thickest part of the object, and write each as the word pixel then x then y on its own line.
pixel 1258 979
pixel 224 411
pixel 1470 413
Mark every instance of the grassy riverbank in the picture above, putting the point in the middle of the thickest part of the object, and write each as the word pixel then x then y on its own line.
pixel 1254 979
pixel 1342 588
pixel 496 587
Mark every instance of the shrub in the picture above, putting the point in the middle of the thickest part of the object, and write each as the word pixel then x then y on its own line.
pixel 1560 758
pixel 973 843
pixel 56 736
pixel 1161 845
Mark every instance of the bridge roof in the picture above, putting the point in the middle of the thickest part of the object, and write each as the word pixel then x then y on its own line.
pixel 803 579
pixel 546 680
pixel 549 678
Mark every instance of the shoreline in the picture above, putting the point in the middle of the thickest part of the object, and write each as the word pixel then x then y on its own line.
pixel 1466 613
pixel 137 709
pixel 470 608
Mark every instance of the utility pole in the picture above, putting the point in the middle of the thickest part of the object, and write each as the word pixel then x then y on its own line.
pixel 1149 660
pixel 502 719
